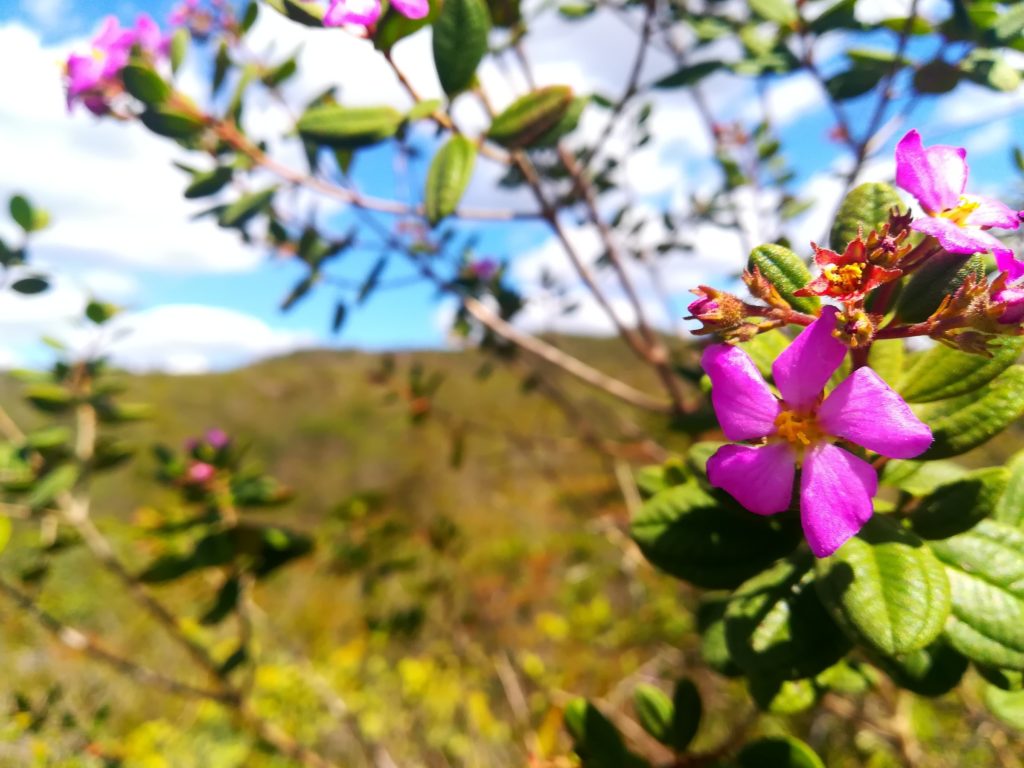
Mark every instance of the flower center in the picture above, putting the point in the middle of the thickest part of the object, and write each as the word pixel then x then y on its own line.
pixel 960 214
pixel 846 278
pixel 800 429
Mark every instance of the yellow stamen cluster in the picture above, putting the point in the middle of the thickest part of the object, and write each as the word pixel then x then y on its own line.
pixel 800 429
pixel 960 214
pixel 846 278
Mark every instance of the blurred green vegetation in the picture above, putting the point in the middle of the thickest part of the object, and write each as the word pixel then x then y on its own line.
pixel 471 576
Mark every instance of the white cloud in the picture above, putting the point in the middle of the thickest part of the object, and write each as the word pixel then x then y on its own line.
pixel 46 13
pixel 189 338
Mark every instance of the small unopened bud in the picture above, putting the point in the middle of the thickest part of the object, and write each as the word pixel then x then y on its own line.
pixel 855 328
pixel 718 311
pixel 762 288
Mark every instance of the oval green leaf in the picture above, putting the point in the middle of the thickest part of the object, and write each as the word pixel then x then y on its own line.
pixel 938 278
pixel 886 588
pixel 955 507
pixel 778 753
pixel 943 372
pixel 865 208
pixel 530 117
pixel 776 625
pixel 787 272
pixel 709 540
pixel 333 125
pixel 460 42
pixel 985 568
pixel 965 422
pixel 448 177
pixel 1010 507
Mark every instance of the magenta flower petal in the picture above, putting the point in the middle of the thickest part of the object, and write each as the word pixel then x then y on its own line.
pixel 865 410
pixel 761 479
pixel 1014 300
pixel 936 176
pixel 991 213
pixel 1005 262
pixel 360 12
pixel 745 406
pixel 835 496
pixel 803 368
pixel 956 239
pixel 411 9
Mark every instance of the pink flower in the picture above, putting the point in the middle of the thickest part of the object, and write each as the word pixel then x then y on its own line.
pixel 91 77
pixel 836 487
pixel 182 13
pixel 1013 298
pixel 484 269
pixel 200 472
pixel 217 438
pixel 937 176
pixel 365 13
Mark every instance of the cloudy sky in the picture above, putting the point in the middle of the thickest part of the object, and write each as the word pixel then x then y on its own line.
pixel 200 299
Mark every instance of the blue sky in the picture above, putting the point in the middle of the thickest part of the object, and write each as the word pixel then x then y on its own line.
pixel 216 272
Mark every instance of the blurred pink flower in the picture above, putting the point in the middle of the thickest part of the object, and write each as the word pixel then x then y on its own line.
pixel 365 13
pixel 200 472
pixel 836 487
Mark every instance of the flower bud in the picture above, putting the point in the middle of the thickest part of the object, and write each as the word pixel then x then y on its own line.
pixel 199 473
pixel 717 310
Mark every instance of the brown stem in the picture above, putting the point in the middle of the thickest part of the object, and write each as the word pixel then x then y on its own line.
pixel 78 641
pixel 229 133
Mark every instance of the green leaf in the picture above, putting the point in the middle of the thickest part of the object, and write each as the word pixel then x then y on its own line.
pixel 919 478
pixel 596 740
pixel 423 109
pixel 448 177
pixel 782 12
pixel 937 278
pixel 713 648
pixel 708 539
pixel 1010 24
pixel 566 125
pixel 936 76
pixel 1008 706
pixel 1005 679
pixel 776 625
pixel 931 671
pixel 306 12
pixel 1010 507
pixel 689 75
pixel 340 313
pixel 778 753
pixel 372 279
pixel 179 47
pixel 50 486
pixel 654 479
pixel 865 208
pixel 223 604
pixel 5 532
pixel 282 72
pixel 965 422
pixel 30 285
pixel 172 123
pixel 143 82
pixel 530 117
pixel 782 697
pixel 886 588
pixel 851 83
pixel 840 15
pixel 333 125
pixel 26 215
pixel 100 312
pixel 887 359
pixel 687 710
pixel 654 711
pixel 460 42
pixel 958 506
pixel 505 14
pixel 244 209
pixel 990 69
pixel 249 17
pixel 985 567
pixel 209 182
pixel 787 272
pixel 49 398
pixel 943 372
pixel 765 348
